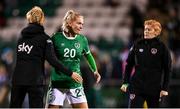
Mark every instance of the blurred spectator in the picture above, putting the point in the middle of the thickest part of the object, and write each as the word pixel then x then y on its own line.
pixel 4 87
pixel 6 68
pixel 137 26
pixel 159 4
pixel 90 88
pixel 2 14
pixel 12 8
pixel 117 67
pixel 7 57
pixel 106 66
pixel 173 27
pixel 112 3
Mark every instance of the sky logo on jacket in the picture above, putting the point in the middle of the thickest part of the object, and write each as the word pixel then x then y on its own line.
pixel 25 48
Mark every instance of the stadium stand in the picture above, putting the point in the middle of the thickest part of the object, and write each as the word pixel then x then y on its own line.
pixel 111 26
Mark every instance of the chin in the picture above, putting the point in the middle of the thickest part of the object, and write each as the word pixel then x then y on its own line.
pixel 146 37
pixel 77 32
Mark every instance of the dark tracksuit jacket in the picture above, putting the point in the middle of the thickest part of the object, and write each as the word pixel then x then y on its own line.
pixel 152 63
pixel 33 48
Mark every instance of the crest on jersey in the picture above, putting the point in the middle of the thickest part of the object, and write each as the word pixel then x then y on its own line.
pixel 77 45
pixel 153 50
pixel 141 50
pixel 62 44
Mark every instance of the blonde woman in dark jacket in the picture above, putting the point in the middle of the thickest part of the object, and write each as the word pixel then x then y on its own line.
pixel 33 48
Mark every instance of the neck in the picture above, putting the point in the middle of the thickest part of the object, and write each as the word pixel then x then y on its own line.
pixel 70 34
pixel 150 37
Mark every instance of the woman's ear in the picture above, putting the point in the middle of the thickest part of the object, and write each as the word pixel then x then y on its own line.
pixel 42 19
pixel 69 24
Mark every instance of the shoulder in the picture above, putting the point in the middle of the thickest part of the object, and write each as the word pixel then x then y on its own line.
pixel 83 37
pixel 163 46
pixel 42 37
pixel 55 35
pixel 46 36
pixel 138 42
pixel 161 43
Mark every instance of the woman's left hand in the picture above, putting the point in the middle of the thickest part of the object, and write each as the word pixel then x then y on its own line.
pixel 163 93
pixel 97 76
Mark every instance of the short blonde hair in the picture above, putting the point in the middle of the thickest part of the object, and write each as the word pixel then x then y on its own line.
pixel 35 15
pixel 69 17
pixel 154 24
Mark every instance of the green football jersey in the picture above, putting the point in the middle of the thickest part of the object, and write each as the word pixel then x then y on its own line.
pixel 69 52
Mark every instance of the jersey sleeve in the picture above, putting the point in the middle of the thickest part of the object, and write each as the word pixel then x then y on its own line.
pixel 86 49
pixel 91 62
pixel 53 36
pixel 88 56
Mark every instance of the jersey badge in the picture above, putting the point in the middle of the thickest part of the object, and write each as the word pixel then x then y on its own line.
pixel 77 45
pixel 62 44
pixel 153 50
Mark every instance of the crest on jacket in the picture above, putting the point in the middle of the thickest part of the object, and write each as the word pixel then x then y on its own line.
pixel 153 50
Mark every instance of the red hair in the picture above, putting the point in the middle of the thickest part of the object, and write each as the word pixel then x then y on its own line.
pixel 154 24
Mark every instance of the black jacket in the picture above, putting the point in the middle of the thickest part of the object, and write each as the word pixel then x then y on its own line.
pixel 152 63
pixel 33 48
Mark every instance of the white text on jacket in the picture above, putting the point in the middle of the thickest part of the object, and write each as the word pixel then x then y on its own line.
pixel 23 47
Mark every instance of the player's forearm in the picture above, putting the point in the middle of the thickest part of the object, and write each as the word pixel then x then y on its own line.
pixel 91 62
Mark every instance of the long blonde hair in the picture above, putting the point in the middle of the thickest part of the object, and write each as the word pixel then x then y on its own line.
pixel 69 17
pixel 35 15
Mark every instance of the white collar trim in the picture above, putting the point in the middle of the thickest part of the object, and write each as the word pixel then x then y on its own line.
pixel 71 38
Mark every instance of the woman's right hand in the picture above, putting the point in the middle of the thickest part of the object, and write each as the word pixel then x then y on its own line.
pixel 76 77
